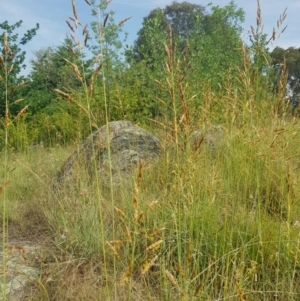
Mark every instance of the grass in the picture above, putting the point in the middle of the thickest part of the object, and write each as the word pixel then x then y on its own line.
pixel 201 224
pixel 216 226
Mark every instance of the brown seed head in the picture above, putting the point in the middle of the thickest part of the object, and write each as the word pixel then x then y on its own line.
pixel 123 21
pixel 6 47
pixel 74 10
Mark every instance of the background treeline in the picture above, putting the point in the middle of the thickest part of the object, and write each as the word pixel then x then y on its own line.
pixel 197 48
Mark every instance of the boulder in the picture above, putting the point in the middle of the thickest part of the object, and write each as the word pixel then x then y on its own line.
pixel 129 145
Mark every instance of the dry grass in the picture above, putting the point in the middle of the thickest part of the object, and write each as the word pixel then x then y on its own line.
pixel 201 224
pixel 230 243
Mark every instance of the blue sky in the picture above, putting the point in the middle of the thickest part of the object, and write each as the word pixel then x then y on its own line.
pixel 51 16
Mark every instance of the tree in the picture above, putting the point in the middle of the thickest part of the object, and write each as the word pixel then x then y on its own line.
pixel 108 40
pixel 12 60
pixel 208 44
pixel 184 18
pixel 49 119
pixel 291 58
pixel 218 50
pixel 51 70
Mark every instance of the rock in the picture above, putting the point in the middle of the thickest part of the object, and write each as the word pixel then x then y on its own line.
pixel 210 137
pixel 21 268
pixel 129 145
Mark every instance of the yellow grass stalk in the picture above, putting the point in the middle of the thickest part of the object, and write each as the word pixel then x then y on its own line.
pixel 22 112
pixel 172 278
pixel 77 72
pixel 189 253
pixel 197 289
pixel 170 38
pixel 11 68
pixel 79 45
pixel 114 251
pixel 70 26
pixel 94 76
pixel 135 198
pixel 65 95
pixel 2 63
pixel 148 265
pixel 154 246
pixel 74 11
pixel 160 84
pixel 140 174
pixel 128 234
pixel 4 185
pixel 124 278
pixel 70 98
pixel 238 287
pixel 123 21
pixel 117 243
pixel 5 42
pixel 127 274
pixel 18 100
pixel 72 51
pixel 119 212
pixel 152 204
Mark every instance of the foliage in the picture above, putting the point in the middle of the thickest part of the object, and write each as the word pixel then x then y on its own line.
pixel 13 62
pixel 289 57
pixel 51 70
pixel 195 37
pixel 184 19
pixel 107 42
pixel 204 223
pixel 220 44
pixel 49 119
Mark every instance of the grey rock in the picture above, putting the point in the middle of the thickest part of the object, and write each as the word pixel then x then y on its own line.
pixel 21 269
pixel 129 145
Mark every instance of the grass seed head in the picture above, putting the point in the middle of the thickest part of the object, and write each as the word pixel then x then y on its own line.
pixel 148 265
pixel 5 42
pixel 154 246
pixel 114 251
pixel 123 21
pixel 258 16
pixel 74 10
pixel 70 26
pixel 171 278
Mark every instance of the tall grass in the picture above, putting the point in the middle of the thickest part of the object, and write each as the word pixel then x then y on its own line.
pixel 205 223
pixel 98 224
pixel 5 161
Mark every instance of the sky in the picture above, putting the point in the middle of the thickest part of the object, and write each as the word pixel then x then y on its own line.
pixel 51 16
